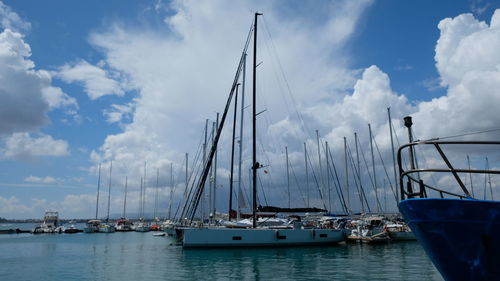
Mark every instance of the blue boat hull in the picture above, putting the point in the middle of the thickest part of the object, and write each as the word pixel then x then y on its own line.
pixel 461 237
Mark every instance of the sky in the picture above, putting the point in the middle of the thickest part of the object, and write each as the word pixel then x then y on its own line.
pixel 132 83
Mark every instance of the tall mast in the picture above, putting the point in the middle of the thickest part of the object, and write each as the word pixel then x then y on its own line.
pixel 125 199
pixel 98 190
pixel 328 178
pixel 470 176
pixel 171 191
pixel 347 176
pixel 321 180
pixel 141 202
pixel 109 190
pixel 186 180
pixel 212 177
pixel 241 133
pixel 359 167
pixel 396 182
pixel 373 166
pixel 254 125
pixel 307 175
pixel 215 166
pixel 145 190
pixel 156 193
pixel 232 154
pixel 287 176
pixel 203 197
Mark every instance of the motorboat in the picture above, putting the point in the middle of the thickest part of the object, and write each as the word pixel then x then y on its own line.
pixel 50 223
pixel 71 229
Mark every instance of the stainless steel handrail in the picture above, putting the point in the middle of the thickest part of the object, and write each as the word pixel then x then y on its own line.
pixel 422 193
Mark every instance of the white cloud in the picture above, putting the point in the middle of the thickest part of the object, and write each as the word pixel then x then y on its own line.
pixel 118 112
pixel 22 105
pixel 12 208
pixel 11 20
pixel 96 81
pixel 22 146
pixel 56 98
pixel 71 206
pixel 47 179
pixel 469 65
pixel 26 95
pixel 184 74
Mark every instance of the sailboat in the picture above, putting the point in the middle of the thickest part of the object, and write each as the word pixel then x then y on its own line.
pixel 124 224
pixel 142 225
pixel 93 225
pixel 459 234
pixel 254 236
pixel 106 227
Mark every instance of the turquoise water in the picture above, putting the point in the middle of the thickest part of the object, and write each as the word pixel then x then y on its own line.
pixel 141 256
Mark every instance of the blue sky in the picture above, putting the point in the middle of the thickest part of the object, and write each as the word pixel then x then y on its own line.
pixel 163 67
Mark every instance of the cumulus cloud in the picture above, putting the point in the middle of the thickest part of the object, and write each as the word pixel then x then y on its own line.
pixel 11 20
pixel 26 95
pixel 22 106
pixel 184 72
pixel 118 112
pixel 22 146
pixel 96 81
pixel 469 66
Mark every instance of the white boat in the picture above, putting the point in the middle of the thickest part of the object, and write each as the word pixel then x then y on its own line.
pixel 50 223
pixel 92 226
pixel 258 237
pixel 168 227
pixel 124 224
pixel 106 228
pixel 142 227
pixel 400 232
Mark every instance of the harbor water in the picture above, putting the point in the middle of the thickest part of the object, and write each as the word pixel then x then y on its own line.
pixel 142 256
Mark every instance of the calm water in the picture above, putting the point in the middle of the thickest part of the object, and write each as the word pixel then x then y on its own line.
pixel 141 256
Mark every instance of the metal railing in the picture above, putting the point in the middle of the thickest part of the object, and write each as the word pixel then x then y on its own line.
pixel 416 188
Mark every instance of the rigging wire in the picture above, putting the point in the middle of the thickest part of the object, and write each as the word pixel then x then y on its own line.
pixel 385 170
pixel 337 185
pixel 289 91
pixel 361 191
pixel 316 181
pixel 368 171
pixel 298 185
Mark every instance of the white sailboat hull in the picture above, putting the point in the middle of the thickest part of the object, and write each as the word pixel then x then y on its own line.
pixel 259 237
pixel 402 236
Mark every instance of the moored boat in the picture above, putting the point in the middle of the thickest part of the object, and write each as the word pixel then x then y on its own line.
pixel 106 228
pixel 458 233
pixel 50 223
pixel 255 236
pixel 71 229
pixel 258 237
pixel 142 226
pixel 400 232
pixel 124 224
pixel 92 226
